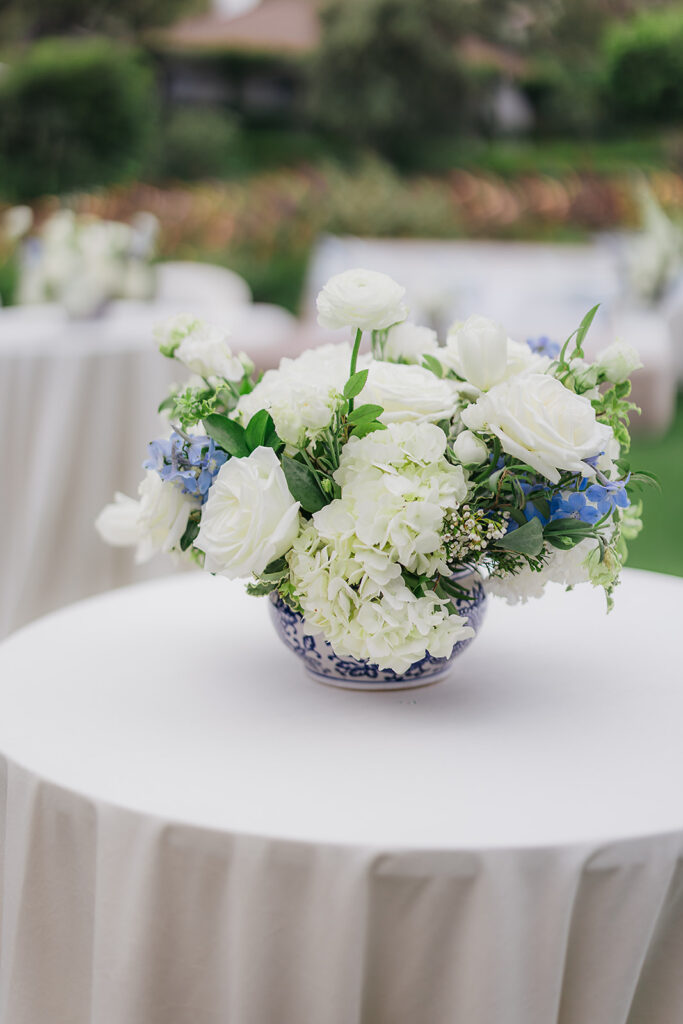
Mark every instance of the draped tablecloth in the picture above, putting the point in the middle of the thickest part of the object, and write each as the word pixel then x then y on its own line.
pixel 192 831
pixel 78 405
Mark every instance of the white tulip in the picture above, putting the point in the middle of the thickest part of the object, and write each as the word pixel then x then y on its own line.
pixel 362 299
pixel 542 423
pixel 478 352
pixel 250 518
pixel 470 449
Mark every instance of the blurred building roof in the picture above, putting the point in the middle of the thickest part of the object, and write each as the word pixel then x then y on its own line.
pixel 273 26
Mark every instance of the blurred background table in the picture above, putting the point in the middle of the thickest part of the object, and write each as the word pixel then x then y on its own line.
pixel 192 830
pixel 77 408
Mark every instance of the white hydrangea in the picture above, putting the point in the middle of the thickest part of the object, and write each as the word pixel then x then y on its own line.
pixel 385 624
pixel 397 487
pixel 302 394
pixel 566 567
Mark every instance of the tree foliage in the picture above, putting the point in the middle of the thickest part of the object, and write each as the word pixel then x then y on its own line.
pixel 387 69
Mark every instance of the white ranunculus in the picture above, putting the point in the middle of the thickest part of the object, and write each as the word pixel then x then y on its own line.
pixel 478 351
pixel 156 522
pixel 204 349
pixel 542 423
pixel 363 299
pixel 409 342
pixel 618 361
pixel 250 518
pixel 470 449
pixel 408 392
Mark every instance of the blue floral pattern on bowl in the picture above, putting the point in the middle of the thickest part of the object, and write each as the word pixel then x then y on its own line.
pixel 325 665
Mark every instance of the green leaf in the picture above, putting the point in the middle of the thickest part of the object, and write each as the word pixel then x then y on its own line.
pixel 260 588
pixel 527 539
pixel 367 427
pixel 542 504
pixel 433 364
pixel 257 429
pixel 569 527
pixel 191 531
pixel 355 384
pixel 168 403
pixel 646 479
pixel 303 485
pixel 228 434
pixel 584 326
pixel 365 412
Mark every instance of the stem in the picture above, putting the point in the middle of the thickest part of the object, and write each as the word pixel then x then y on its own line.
pixel 354 360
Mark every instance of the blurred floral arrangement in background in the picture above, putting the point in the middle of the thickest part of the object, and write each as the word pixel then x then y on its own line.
pixel 356 487
pixel 653 256
pixel 80 260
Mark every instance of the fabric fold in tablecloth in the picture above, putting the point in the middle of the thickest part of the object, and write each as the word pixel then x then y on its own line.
pixel 110 917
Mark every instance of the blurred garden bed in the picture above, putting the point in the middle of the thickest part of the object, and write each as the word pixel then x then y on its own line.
pixel 265 227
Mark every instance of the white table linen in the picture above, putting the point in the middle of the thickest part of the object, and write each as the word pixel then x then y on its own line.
pixel 193 831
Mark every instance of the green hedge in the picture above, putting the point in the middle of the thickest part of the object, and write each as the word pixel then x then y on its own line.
pixel 644 66
pixel 74 113
pixel 200 143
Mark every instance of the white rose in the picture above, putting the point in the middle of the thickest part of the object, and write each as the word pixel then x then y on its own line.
pixel 408 392
pixel 249 518
pixel 409 342
pixel 478 351
pixel 363 299
pixel 542 423
pixel 618 361
pixel 155 523
pixel 470 449
pixel 205 350
pixel 302 394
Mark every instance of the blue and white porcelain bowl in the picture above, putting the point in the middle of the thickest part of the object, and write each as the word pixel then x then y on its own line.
pixel 321 661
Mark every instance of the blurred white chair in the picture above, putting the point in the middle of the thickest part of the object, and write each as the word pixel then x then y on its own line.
pixel 185 282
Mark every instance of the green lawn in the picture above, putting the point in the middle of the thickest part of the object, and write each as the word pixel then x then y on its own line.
pixel 660 545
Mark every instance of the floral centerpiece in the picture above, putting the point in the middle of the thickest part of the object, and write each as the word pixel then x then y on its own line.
pixel 374 497
pixel 83 262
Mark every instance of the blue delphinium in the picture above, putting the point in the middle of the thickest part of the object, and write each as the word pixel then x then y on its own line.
pixel 591 501
pixel 191 462
pixel 544 346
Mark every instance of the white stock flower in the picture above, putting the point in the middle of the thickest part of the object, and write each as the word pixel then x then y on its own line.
pixel 250 518
pixel 204 349
pixel 618 361
pixel 302 394
pixel 542 423
pixel 155 523
pixel 408 392
pixel 409 342
pixel 477 351
pixel 362 299
pixel 470 449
